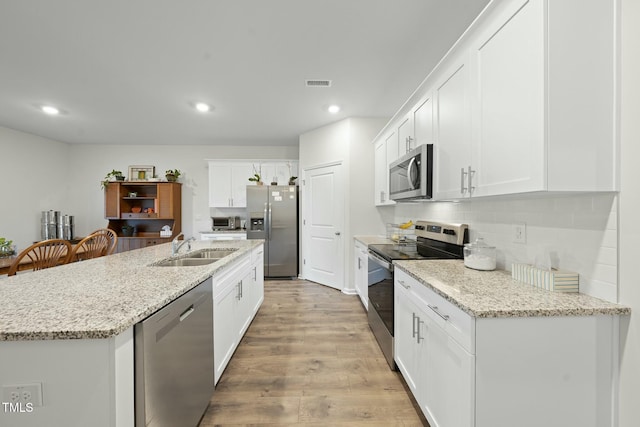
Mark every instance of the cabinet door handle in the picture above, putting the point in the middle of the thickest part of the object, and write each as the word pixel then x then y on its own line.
pixel 359 263
pixel 470 177
pixel 463 189
pixel 413 325
pixel 403 284
pixel 418 337
pixel 255 274
pixel 435 309
pixel 409 139
pixel 238 291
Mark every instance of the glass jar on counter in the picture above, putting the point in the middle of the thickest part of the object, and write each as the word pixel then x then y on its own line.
pixel 480 256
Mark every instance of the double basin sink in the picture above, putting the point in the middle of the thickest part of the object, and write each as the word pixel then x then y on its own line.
pixel 196 258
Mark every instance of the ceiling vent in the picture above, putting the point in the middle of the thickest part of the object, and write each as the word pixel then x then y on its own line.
pixel 318 83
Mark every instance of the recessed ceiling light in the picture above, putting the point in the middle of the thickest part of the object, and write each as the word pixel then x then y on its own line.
pixel 202 107
pixel 50 110
pixel 333 109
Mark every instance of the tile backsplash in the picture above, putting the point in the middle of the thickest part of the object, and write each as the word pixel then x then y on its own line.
pixel 575 232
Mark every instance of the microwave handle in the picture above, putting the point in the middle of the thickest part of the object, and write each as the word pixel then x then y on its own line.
pixel 412 163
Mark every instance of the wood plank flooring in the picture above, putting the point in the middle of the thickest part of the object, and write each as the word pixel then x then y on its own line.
pixel 310 359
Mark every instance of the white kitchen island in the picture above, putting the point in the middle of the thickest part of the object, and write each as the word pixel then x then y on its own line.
pixel 70 329
pixel 479 349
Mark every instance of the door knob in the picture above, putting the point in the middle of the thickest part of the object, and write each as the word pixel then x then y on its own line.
pixel 337 233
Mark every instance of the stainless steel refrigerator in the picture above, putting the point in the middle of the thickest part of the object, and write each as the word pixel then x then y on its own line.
pixel 272 215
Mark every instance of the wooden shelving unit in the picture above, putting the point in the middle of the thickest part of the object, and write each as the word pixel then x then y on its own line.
pixel 145 206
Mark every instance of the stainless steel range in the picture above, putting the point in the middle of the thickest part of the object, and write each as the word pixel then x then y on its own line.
pixel 434 240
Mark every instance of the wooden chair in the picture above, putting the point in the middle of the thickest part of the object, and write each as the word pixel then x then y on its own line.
pixel 41 255
pixel 113 239
pixel 93 246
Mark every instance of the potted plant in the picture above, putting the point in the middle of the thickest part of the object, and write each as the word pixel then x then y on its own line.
pixel 114 175
pixel 257 178
pixel 172 175
pixel 292 179
pixel 6 248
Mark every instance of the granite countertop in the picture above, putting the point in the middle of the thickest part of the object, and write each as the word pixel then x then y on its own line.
pixel 496 294
pixel 236 231
pixel 102 297
pixel 372 240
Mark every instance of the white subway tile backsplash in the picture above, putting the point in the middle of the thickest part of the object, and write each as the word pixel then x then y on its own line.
pixel 578 232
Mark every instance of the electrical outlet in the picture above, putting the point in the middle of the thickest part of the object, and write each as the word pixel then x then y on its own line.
pixel 23 393
pixel 520 233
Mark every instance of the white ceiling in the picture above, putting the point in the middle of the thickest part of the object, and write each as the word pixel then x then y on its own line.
pixel 128 71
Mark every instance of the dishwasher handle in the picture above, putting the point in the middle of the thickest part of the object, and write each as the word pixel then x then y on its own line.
pixel 187 312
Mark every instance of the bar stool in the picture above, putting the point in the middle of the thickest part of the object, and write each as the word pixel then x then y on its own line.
pixel 41 255
pixel 113 239
pixel 93 246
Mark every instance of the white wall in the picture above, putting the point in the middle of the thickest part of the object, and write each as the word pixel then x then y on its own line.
pixel 92 162
pixel 349 142
pixel 629 280
pixel 35 178
pixel 579 232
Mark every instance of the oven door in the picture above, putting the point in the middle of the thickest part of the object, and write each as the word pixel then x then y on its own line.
pixel 380 289
pixel 410 177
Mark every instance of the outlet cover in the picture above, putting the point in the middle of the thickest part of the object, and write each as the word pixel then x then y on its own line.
pixel 520 233
pixel 23 393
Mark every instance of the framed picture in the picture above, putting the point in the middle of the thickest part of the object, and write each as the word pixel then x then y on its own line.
pixel 141 173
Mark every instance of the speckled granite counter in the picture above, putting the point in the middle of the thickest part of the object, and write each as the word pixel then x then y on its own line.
pixel 372 240
pixel 496 294
pixel 102 297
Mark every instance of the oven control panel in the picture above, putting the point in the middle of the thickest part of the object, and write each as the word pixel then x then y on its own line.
pixel 450 233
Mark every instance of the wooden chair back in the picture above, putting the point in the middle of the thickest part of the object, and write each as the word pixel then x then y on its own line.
pixel 92 246
pixel 113 239
pixel 41 255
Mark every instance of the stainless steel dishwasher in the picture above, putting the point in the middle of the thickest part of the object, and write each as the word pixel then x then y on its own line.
pixel 174 373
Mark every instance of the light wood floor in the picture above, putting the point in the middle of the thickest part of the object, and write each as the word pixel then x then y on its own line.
pixel 309 358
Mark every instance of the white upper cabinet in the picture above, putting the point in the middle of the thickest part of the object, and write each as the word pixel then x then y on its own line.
pixel 453 132
pixel 384 151
pixel 524 102
pixel 228 180
pixel 228 184
pixel 423 122
pixel 278 172
pixel 508 117
pixel 406 135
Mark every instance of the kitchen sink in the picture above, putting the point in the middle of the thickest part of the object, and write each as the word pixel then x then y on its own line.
pixel 213 254
pixel 184 262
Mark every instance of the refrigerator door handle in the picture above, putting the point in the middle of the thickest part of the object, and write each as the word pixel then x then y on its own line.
pixel 267 221
pixel 269 232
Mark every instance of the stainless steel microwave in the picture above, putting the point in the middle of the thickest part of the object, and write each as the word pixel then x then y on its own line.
pixel 225 222
pixel 411 176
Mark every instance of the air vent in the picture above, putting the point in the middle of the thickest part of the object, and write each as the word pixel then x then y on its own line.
pixel 318 83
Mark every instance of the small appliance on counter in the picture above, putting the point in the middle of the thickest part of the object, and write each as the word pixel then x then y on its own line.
pixel 480 256
pixel 54 225
pixel 433 240
pixel 225 222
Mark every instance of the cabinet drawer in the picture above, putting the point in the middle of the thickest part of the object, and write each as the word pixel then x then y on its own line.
pixel 141 215
pixel 230 275
pixel 459 325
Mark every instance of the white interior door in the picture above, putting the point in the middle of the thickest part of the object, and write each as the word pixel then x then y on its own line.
pixel 323 226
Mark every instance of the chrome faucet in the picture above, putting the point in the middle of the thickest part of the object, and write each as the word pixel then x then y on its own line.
pixel 176 245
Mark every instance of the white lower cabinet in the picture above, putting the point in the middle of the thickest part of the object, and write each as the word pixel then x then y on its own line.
pixel 438 370
pixel 530 371
pixel 237 296
pixel 361 258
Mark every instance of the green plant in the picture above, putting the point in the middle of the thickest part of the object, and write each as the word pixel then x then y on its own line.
pixel 293 178
pixel 113 174
pixel 257 174
pixel 5 247
pixel 174 172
